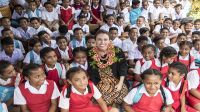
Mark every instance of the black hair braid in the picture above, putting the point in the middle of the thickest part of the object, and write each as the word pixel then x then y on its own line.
pixel 189 62
pixel 89 89
pixel 68 91
pixel 164 97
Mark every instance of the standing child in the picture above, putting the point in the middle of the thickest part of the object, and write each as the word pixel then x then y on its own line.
pixel 54 70
pixel 149 96
pixel 9 79
pixel 37 94
pixel 135 11
pixel 85 12
pixel 178 86
pixel 77 96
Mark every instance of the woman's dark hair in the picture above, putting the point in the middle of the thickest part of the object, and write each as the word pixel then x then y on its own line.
pixel 44 51
pixel 26 71
pixel 101 32
pixel 3 65
pixel 149 46
pixel 70 73
pixel 79 49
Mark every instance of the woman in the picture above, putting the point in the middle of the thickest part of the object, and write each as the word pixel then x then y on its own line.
pixel 107 69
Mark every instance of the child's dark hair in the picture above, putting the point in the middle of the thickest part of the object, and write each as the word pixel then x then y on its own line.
pixel 197 21
pixel 5 30
pixel 120 17
pixel 47 3
pixel 61 37
pixel 79 49
pixel 45 50
pixel 168 19
pixel 34 41
pixel 157 73
pixel 181 34
pixel 3 65
pixel 164 28
pixel 176 20
pixel 41 33
pixel 34 18
pixel 63 29
pixel 178 5
pixel 143 30
pixel 23 18
pixel 81 17
pixel 195 41
pixel 182 69
pixel 149 46
pixel 26 71
pixel 18 5
pixel 141 38
pixel 113 28
pixel 196 33
pixel 70 73
pixel 88 37
pixel 77 29
pixel 157 38
pixel 7 41
pixel 167 52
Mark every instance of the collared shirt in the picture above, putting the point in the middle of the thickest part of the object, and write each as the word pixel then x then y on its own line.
pixel 34 31
pixel 195 54
pixel 192 65
pixel 25 34
pixel 50 16
pixel 85 27
pixel 75 43
pixel 64 54
pixel 36 57
pixel 74 64
pixel 63 76
pixel 53 44
pixel 20 100
pixel 117 42
pixel 106 28
pixel 128 45
pixel 194 79
pixel 14 30
pixel 9 80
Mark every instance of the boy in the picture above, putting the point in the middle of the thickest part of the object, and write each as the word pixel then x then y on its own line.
pixel 196 25
pixel 33 11
pixel 24 28
pixel 62 31
pixel 46 40
pixel 145 32
pixel 90 40
pixel 113 31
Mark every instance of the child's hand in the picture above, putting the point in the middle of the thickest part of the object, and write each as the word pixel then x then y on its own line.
pixel 118 87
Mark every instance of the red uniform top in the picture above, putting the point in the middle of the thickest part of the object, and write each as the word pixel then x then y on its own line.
pixel 59 55
pixel 65 15
pixel 186 62
pixel 96 12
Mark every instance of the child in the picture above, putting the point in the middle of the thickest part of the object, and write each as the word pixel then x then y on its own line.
pixel 80 58
pixel 145 32
pixel 178 86
pixel 168 11
pixel 150 95
pixel 120 23
pixel 36 27
pixel 37 94
pixel 155 17
pixel 145 10
pixel 195 52
pixel 91 42
pixel 54 70
pixel 82 24
pixel 75 98
pixel 46 40
pixel 178 13
pixel 85 12
pixel 164 32
pixel 140 23
pixel 9 79
pixel 33 56
pixel 24 28
pixel 176 27
pixel 78 40
pixel 125 12
pixel 62 31
pixel 113 31
pixel 9 53
pixel 50 17
pixel 67 14
pixel 184 55
pixel 18 13
pixel 187 28
pixel 96 12
pixel 111 6
pixel 159 42
pixel 63 51
pixel 196 25
pixel 166 23
pixel 181 37
pixel 32 10
pixel 135 11
pixel 195 35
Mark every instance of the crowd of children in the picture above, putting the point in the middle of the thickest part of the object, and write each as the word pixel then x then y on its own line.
pixel 44 48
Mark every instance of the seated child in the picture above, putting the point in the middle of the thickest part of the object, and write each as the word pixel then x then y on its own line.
pixel 90 41
pixel 37 94
pixel 145 32
pixel 24 28
pixel 46 40
pixel 196 25
pixel 18 13
pixel 32 10
pixel 195 52
pixel 62 31
pixel 159 42
pixel 113 31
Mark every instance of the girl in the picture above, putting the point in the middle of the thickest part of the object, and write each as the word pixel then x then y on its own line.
pixel 176 27
pixel 149 96
pixel 187 28
pixel 195 52
pixel 80 58
pixel 167 10
pixel 96 11
pixel 33 56
pixel 178 86
pixel 37 94
pixel 181 37
pixel 77 96
pixel 54 70
pixel 85 12
pixel 184 55
pixel 9 79
pixel 159 43
pixel 67 14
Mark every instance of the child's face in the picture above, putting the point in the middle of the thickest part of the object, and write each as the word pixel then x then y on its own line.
pixel 49 7
pixel 96 2
pixel 195 37
pixel 197 46
pixel 167 23
pixel 50 58
pixel 124 36
pixel 8 49
pixel 37 77
pixel 160 44
pixel 37 2
pixel 145 5
pixel 139 21
pixel 120 22
pixel 82 21
pixel 164 33
pixel 110 20
pixel 146 34
pixel 157 3
pixel 197 25
pixel 23 23
pixel 46 38
pixel 80 58
pixel 166 4
pixel 174 75
pixel 184 50
pixel 37 47
pixel 133 34
pixel 6 23
pixel 188 27
pixel 62 44
pixel 148 54
pixel 91 43
pixel 19 10
pixel 142 43
pixel 35 24
pixel 177 9
pixel 8 33
pixel 86 9
pixel 78 34
pixel 66 3
pixel 123 5
pixel 79 81
pixel 32 6
pixel 8 72
pixel 176 25
pixel 181 38
pixel 152 84
pixel 113 34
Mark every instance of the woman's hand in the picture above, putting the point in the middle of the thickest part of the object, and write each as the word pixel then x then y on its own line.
pixel 118 87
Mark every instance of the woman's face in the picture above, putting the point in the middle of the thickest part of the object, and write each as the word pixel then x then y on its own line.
pixel 102 41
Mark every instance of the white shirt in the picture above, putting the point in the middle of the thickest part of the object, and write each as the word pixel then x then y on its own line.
pixel 63 76
pixel 168 13
pixel 117 42
pixel 64 54
pixel 173 86
pixel 50 16
pixel 55 34
pixel 16 56
pixel 9 80
pixel 85 27
pixel 64 102
pixel 138 66
pixel 16 15
pixel 74 64
pixel 155 16
pixel 53 44
pixel 192 65
pixel 129 98
pixel 175 46
pixel 193 78
pixel 194 29
pixel 14 30
pixel 195 54
pixel 177 31
pixel 21 47
pixel 112 3
pixel 20 100
pixel 33 14
pixel 145 13
pixel 77 43
pixel 106 28
pixel 36 60
pixel 25 34
pixel 126 15
pixel 181 15
pixel 135 54
pixel 167 41
pixel 128 45
pixel 34 31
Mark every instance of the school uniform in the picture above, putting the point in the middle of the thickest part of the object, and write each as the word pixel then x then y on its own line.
pixel 7 87
pixel 16 56
pixel 175 46
pixel 194 29
pixel 55 34
pixel 36 13
pixel 196 55
pixel 64 55
pixel 126 15
pixel 18 44
pixel 53 44
pixel 117 42
pixel 112 3
pixel 138 65
pixel 74 64
pixel 179 16
pixel 177 31
pixel 36 100
pixel 153 9
pixel 14 30
pixel 168 13
pixel 16 15
pixel 49 16
pixel 96 11
pixel 145 14
pixel 79 102
pixel 147 103
pixel 135 54
pixel 106 28
pixel 32 57
pixel 85 27
pixel 185 60
pixel 129 46
pixel 34 31
pixel 75 43
pixel 26 34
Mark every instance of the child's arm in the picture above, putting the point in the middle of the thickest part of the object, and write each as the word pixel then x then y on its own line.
pixel 24 108
pixel 183 109
pixel 102 104
pixel 195 93
pixel 53 105
pixel 127 107
pixel 9 102
pixel 120 84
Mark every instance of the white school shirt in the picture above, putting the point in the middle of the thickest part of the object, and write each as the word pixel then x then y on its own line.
pixel 129 98
pixel 112 3
pixel 15 15
pixel 77 43
pixel 64 102
pixel 117 42
pixel 64 54
pixel 63 76
pixel 145 14
pixel 16 56
pixel 177 31
pixel 4 3
pixel 33 14
pixel 85 27
pixel 9 80
pixel 34 31
pixel 135 54
pixel 138 66
pixel 19 99
pixel 194 79
pixel 173 86
pixel 74 64
pixel 14 30
pixel 195 54
pixel 158 27
pixel 36 60
pixel 192 65
pixel 49 16
pixel 106 28
pixel 155 16
pixel 168 13
pixel 53 44
pixel 194 29
pixel 181 15
pixel 175 46
pixel 128 45
pixel 4 106
pixel 126 15
pixel 167 41
pixel 186 4
pixel 25 34
pixel 21 47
